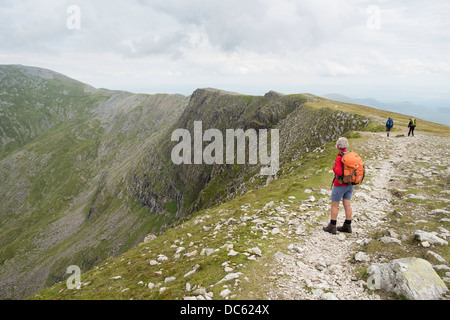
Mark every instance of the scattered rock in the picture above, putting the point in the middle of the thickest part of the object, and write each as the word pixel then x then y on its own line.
pixel 191 254
pixel 441 267
pixel 275 231
pixel 413 196
pixel 362 195
pixel 393 234
pixel 161 290
pixel 436 256
pixel 269 205
pixel 430 237
pixel 321 266
pixel 169 279
pixel 437 211
pixel 207 252
pixel 179 249
pixel 329 296
pixel 162 258
pixel 425 244
pixel 230 276
pixel 225 293
pixel 387 239
pixel 324 192
pixel 341 237
pixel 192 271
pixel 295 248
pixel 256 251
pixel 199 291
pixel 413 278
pixel 149 237
pixel 317 293
pixel 362 256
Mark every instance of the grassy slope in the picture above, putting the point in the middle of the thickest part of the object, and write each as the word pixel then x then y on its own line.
pixel 33 101
pixel 381 116
pixel 311 172
pixel 134 266
pixel 73 206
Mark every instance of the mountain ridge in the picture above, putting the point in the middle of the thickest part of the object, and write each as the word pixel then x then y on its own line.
pixel 98 178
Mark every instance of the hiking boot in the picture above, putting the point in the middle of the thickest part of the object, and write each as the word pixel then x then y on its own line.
pixel 345 228
pixel 331 228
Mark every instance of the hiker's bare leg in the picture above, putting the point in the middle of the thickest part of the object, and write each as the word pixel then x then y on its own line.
pixel 348 209
pixel 334 210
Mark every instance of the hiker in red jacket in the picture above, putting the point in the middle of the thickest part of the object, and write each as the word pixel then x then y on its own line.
pixel 341 191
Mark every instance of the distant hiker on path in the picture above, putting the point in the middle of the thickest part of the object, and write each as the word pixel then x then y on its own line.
pixel 411 126
pixel 389 125
pixel 341 191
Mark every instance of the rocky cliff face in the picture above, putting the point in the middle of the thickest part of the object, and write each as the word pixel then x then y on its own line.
pixel 158 182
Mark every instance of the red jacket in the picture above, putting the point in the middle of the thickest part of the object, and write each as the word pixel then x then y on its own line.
pixel 338 169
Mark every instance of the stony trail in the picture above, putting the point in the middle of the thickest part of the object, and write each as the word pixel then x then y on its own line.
pixel 280 252
pixel 321 265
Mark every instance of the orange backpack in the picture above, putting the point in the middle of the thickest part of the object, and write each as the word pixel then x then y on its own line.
pixel 353 169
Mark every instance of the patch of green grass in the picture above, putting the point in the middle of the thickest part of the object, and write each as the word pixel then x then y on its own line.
pixel 171 207
pixel 375 127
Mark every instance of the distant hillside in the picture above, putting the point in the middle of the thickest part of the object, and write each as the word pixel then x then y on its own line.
pixel 66 151
pixel 434 110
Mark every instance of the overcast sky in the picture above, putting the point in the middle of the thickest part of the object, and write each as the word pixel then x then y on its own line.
pixel 381 49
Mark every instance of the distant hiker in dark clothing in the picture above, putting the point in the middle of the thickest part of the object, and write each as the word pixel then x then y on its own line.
pixel 411 126
pixel 341 191
pixel 389 125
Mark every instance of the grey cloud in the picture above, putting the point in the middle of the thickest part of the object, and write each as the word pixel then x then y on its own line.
pixel 170 45
pixel 261 37
pixel 26 26
pixel 263 26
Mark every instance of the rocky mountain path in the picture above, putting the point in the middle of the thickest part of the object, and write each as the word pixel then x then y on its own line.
pixel 280 252
pixel 320 265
